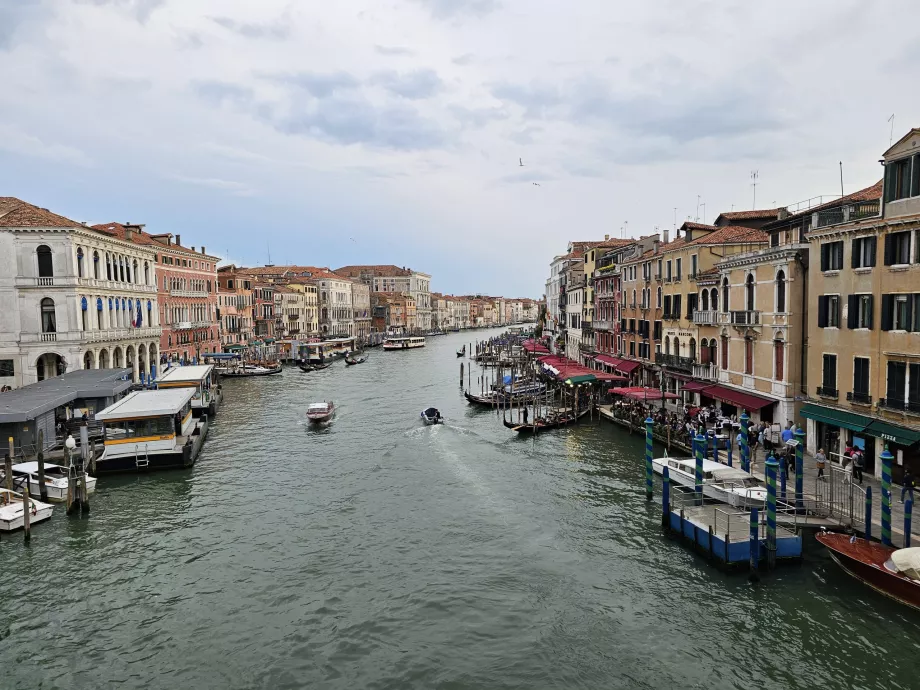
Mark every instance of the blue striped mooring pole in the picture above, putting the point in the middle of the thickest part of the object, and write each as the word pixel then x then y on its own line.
pixel 771 466
pixel 886 457
pixel 755 546
pixel 782 480
pixel 649 424
pixel 700 443
pixel 799 470
pixel 665 497
pixel 729 451
pixel 868 529
pixel 908 512
pixel 745 449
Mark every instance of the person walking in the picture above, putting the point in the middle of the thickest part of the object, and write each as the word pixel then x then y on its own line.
pixel 858 461
pixel 907 484
pixel 821 463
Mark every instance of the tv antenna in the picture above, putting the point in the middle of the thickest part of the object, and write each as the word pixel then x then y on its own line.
pixel 891 135
pixel 755 175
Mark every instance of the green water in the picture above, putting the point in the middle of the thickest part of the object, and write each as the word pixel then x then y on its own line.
pixel 378 553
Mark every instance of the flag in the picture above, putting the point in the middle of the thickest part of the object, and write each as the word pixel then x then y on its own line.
pixel 140 315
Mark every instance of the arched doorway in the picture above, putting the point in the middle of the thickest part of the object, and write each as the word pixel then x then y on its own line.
pixel 142 360
pixel 88 360
pixel 118 361
pixel 49 365
pixel 130 357
pixel 104 359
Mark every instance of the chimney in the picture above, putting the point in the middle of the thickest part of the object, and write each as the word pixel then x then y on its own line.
pixel 202 250
pixel 606 237
pixel 783 214
pixel 178 239
pixel 665 236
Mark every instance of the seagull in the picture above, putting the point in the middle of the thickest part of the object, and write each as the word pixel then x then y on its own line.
pixel 521 162
pixel 536 184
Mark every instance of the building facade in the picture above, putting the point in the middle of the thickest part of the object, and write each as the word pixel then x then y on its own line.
pixel 235 308
pixel 361 306
pixel 389 278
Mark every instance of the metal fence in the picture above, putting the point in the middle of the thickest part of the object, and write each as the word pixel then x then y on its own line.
pixel 838 497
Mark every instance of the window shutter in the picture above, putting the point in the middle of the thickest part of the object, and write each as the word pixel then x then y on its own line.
pixel 677 306
pixel 887 312
pixel 889 182
pixel 822 311
pixel 910 315
pixel 889 250
pixel 838 249
pixel 870 316
pixel 913 391
pixel 852 311
pixel 855 246
pixel 824 255
pixel 872 242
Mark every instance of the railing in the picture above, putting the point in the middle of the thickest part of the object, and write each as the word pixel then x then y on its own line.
pixel 709 317
pixel 844 214
pixel 692 275
pixel 706 372
pixel 827 392
pixel 667 279
pixel 741 318
pixel 189 293
pixel 900 404
pixel 105 284
pixel 674 362
pixel 859 398
pixel 49 337
pixel 602 325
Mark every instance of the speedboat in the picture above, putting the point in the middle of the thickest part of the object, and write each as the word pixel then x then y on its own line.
pixel 431 416
pixel 11 517
pixel 730 485
pixel 320 413
pixel 55 480
pixel 889 571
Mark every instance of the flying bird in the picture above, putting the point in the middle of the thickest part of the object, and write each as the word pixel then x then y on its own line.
pixel 536 184
pixel 521 162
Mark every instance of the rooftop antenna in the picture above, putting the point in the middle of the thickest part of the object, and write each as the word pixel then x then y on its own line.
pixel 891 136
pixel 675 217
pixel 697 218
pixel 269 249
pixel 626 224
pixel 754 176
pixel 704 212
pixel 841 179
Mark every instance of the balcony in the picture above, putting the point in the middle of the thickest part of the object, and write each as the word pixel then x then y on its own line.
pixel 706 372
pixel 828 392
pixel 675 362
pixel 103 284
pixel 845 214
pixel 740 318
pixel 692 275
pixel 900 405
pixel 859 398
pixel 189 293
pixel 709 317
pixel 601 325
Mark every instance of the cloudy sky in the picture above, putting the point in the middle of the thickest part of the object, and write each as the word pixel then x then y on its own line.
pixel 389 131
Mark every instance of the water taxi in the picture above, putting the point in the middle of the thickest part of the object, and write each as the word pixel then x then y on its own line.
pixel 56 477
pixel 151 430
pixel 403 342
pixel 320 413
pixel 11 517
pixel 431 416
pixel 202 378
pixel 730 485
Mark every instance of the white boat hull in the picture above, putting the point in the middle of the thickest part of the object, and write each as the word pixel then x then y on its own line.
pixel 744 499
pixel 11 517
pixel 57 492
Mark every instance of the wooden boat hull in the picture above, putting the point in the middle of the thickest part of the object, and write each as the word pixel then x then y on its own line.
pixel 321 419
pixel 306 370
pixel 245 374
pixel 864 560
pixel 546 426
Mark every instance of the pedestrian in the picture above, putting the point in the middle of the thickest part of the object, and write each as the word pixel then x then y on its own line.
pixel 907 484
pixel 858 461
pixel 787 433
pixel 525 415
pixel 820 462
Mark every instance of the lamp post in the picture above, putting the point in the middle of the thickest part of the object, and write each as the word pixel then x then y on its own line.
pixel 69 445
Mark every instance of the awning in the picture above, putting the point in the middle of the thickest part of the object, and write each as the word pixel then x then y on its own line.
pixel 746 401
pixel 828 415
pixel 582 378
pixel 695 386
pixel 650 394
pixel 627 367
pixel 608 360
pixel 892 432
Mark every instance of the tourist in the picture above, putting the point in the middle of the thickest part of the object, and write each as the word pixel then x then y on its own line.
pixel 525 415
pixel 821 461
pixel 907 484
pixel 858 462
pixel 787 433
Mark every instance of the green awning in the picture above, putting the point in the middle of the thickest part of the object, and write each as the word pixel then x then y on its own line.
pixel 584 378
pixel 233 347
pixel 894 433
pixel 828 415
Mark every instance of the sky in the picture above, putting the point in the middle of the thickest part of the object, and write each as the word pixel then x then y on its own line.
pixel 393 131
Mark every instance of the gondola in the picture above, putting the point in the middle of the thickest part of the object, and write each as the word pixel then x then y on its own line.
pixel 461 353
pixel 351 362
pixel 305 368
pixel 320 367
pixel 543 425
pixel 490 399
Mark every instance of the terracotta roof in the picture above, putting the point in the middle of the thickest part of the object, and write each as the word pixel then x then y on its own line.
pixel 697 226
pixel 757 214
pixel 732 234
pixel 15 213
pixel 142 237
pixel 867 194
pixel 382 270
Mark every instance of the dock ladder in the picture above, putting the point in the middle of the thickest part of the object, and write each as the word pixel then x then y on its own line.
pixel 140 461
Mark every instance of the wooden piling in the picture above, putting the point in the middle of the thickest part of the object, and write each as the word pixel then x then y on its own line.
pixel 42 489
pixel 8 466
pixel 26 514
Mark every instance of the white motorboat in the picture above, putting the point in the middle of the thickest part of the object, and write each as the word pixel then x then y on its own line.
pixel 730 485
pixel 55 480
pixel 321 413
pixel 11 517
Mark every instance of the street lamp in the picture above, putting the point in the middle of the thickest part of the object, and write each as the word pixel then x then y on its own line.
pixel 70 444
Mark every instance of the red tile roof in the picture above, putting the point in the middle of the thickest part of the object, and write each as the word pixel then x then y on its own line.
pixel 757 214
pixel 142 237
pixel 382 270
pixel 867 194
pixel 733 234
pixel 15 213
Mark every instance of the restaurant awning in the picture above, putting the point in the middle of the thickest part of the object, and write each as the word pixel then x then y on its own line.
pixel 886 431
pixel 747 401
pixel 608 360
pixel 581 378
pixel 695 386
pixel 627 367
pixel 840 418
pixel 650 394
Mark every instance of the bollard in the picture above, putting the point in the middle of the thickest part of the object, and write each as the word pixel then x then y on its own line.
pixel 782 481
pixel 886 457
pixel 715 447
pixel 649 424
pixel 800 470
pixel 700 443
pixel 745 449
pixel 771 467
pixel 665 497
pixel 754 546
pixel 26 514
pixel 908 512
pixel 84 454
pixel 868 531
pixel 461 374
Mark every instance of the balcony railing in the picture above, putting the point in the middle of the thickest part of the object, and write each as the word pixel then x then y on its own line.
pixel 740 318
pixel 674 362
pixel 602 325
pixel 706 372
pixel 189 293
pixel 859 398
pixel 828 392
pixel 709 317
pixel 900 404
pixel 844 214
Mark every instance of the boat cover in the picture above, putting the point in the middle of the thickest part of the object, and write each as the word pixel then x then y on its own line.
pixel 318 406
pixel 431 412
pixel 907 561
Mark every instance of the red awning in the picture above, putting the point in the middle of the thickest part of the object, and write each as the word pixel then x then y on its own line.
pixel 695 386
pixel 650 394
pixel 608 360
pixel 625 390
pixel 604 376
pixel 746 401
pixel 627 367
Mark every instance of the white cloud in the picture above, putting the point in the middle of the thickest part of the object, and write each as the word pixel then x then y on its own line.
pixel 13 140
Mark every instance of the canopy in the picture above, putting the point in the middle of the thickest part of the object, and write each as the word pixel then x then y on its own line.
pixel 839 418
pixel 646 393
pixel 907 562
pixel 224 355
pixel 608 360
pixel 581 378
pixel 892 432
pixel 746 401
pixel 695 386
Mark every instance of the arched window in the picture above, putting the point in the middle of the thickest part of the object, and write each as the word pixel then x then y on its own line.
pixel 725 352
pixel 779 359
pixel 108 267
pixel 749 292
pixel 79 262
pixel 45 262
pixel 704 301
pixel 676 347
pixel 658 305
pixel 134 271
pixel 146 273
pixel 781 292
pixel 96 265
pixel 692 353
pixel 724 294
pixel 49 323
pixel 667 345
pixel 704 351
pixel 713 351
pixel 633 299
pixel 714 298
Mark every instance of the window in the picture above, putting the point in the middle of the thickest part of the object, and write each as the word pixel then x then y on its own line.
pixel 7 368
pixel 779 358
pixel 748 356
pixel 678 269
pixel 749 292
pixel 45 263
pixel 667 274
pixel 705 300
pixel 832 256
pixel 829 375
pixel 859 311
pixel 676 313
pixel 691 305
pixel 725 294
pixel 829 311
pixel 49 323
pixel 897 248
pixel 898 179
pixel 781 292
pixel 861 379
pixel 897 382
pixel 96 265
pixel 863 252
pixel 657 331
pixel 632 348
pixel 667 306
pixel 667 345
pixel 714 299
pixel 693 265
pixel 79 262
pixel 658 305
pixel 692 353
pixel 725 353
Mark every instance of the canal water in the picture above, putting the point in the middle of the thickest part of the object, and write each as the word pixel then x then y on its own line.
pixel 379 553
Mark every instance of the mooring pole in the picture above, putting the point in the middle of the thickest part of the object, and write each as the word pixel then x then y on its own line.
pixel 908 513
pixel 700 443
pixel 42 489
pixel 745 448
pixel 754 546
pixel 868 530
pixel 26 514
pixel 649 424
pixel 782 480
pixel 8 466
pixel 886 457
pixel 665 497
pixel 799 470
pixel 771 466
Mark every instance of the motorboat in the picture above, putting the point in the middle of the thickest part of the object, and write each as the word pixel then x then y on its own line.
pixel 889 571
pixel 403 342
pixel 431 416
pixel 56 479
pixel 351 361
pixel 320 413
pixel 11 515
pixel 730 485
pixel 250 370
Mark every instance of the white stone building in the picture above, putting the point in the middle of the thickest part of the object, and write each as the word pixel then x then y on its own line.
pixel 361 306
pixel 389 278
pixel 73 298
pixel 336 310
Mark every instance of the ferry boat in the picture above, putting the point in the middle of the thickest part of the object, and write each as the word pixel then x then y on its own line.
pixel 151 430
pixel 56 477
pixel 11 517
pixel 730 485
pixel 403 342
pixel 201 378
